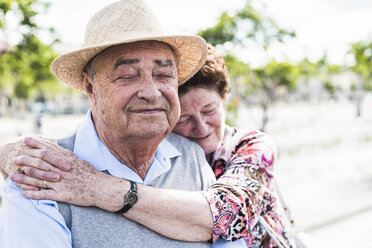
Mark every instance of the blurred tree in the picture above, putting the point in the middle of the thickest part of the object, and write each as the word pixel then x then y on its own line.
pixel 269 80
pixel 247 24
pixel 238 72
pixel 307 70
pixel 362 52
pixel 324 72
pixel 24 67
pixel 238 30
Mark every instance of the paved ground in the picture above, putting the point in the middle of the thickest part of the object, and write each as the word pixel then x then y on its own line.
pixel 323 168
pixel 353 230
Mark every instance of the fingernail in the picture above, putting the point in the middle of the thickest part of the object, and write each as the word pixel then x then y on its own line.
pixel 55 177
pixel 13 177
pixel 66 166
pixel 27 140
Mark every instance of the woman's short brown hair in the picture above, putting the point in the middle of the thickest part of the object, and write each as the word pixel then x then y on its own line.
pixel 213 75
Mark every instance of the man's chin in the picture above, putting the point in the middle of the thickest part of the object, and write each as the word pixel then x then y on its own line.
pixel 150 134
pixel 150 130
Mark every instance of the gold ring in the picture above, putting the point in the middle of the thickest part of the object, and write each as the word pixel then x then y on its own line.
pixel 45 186
pixel 22 169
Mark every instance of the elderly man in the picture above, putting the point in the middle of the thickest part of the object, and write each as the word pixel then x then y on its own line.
pixel 131 72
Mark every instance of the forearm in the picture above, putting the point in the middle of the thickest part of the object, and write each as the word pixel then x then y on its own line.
pixel 244 190
pixel 180 215
pixel 175 214
pixel 4 174
pixel 3 159
pixel 4 152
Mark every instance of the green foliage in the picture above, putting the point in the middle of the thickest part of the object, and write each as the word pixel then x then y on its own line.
pixel 26 10
pixel 245 24
pixel 24 68
pixel 281 74
pixel 323 71
pixel 232 111
pixel 273 76
pixel 362 52
pixel 306 68
pixel 222 32
pixel 33 73
pixel 330 88
pixel 4 8
pixel 333 69
pixel 237 68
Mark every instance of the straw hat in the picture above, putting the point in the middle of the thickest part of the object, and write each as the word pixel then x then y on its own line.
pixel 124 22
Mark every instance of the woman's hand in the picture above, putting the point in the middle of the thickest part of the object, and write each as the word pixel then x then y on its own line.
pixel 16 148
pixel 44 164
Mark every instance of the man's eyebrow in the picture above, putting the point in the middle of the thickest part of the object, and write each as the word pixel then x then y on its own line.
pixel 120 62
pixel 167 62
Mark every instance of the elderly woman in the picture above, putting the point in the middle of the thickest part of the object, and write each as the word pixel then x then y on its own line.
pixel 242 161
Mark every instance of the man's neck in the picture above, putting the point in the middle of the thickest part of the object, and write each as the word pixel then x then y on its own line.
pixel 137 154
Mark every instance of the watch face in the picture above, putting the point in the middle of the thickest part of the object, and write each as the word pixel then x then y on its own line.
pixel 131 198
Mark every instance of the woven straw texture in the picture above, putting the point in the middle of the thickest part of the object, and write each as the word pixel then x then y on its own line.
pixel 124 22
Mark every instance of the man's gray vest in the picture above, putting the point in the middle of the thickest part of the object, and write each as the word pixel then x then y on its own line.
pixel 92 227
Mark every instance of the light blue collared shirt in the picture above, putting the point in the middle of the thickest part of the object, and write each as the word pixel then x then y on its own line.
pixel 38 223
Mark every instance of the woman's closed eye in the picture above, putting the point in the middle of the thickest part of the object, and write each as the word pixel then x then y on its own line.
pixel 209 111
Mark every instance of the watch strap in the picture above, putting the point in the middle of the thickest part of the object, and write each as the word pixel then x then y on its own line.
pixel 127 206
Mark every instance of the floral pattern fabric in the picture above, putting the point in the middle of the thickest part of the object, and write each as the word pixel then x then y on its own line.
pixel 243 165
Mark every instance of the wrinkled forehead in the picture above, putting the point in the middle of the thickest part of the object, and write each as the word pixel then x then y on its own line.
pixel 132 49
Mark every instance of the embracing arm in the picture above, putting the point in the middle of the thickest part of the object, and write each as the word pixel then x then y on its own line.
pixel 235 198
pixel 7 152
pixel 180 215
pixel 176 214
pixel 245 189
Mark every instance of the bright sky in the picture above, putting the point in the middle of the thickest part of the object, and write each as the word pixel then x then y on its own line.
pixel 321 25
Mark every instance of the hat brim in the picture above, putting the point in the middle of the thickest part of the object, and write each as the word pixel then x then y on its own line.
pixel 191 52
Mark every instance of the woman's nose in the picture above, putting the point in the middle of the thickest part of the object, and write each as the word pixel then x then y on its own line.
pixel 201 127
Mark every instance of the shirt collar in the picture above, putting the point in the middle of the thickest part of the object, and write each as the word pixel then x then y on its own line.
pixel 88 146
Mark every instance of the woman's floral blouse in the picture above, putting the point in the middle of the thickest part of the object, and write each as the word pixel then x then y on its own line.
pixel 243 165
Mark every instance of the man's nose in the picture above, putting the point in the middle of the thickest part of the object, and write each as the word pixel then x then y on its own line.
pixel 149 90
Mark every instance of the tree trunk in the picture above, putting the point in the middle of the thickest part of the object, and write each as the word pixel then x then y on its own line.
pixel 265 115
pixel 359 97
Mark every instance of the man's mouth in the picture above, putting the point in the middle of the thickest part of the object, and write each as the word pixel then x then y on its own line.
pixel 147 111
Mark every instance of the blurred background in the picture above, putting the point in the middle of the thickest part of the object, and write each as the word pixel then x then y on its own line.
pixel 301 71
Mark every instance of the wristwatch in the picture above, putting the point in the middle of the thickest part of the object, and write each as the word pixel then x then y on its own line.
pixel 130 198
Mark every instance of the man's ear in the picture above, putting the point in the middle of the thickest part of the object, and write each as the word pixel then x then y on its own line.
pixel 88 85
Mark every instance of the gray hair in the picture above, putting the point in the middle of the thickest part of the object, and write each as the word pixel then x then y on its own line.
pixel 90 68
